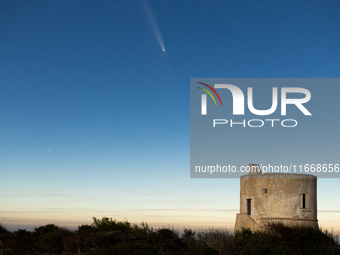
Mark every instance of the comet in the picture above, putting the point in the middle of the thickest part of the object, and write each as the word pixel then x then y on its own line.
pixel 153 23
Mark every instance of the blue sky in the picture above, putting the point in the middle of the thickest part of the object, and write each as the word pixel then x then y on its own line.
pixel 95 117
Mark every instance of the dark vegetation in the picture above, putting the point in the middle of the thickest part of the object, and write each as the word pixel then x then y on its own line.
pixel 106 236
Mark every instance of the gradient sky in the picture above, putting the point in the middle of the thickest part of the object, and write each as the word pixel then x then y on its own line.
pixel 95 117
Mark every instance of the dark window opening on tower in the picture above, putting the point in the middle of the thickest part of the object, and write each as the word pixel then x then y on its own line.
pixel 303 201
pixel 249 206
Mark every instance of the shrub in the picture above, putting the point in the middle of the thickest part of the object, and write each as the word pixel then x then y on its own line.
pixel 144 229
pixel 107 236
pixel 188 234
pixel 107 224
pixel 50 238
pixel 24 242
pixel 83 229
pixel 131 248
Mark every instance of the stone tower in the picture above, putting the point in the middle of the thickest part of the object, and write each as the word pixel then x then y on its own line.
pixel 288 198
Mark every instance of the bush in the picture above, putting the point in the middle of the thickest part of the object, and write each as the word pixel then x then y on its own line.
pixel 277 238
pixel 24 242
pixel 131 248
pixel 107 236
pixel 83 229
pixel 107 224
pixel 144 229
pixel 188 234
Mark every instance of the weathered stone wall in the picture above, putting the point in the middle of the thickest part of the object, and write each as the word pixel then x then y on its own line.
pixel 280 203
